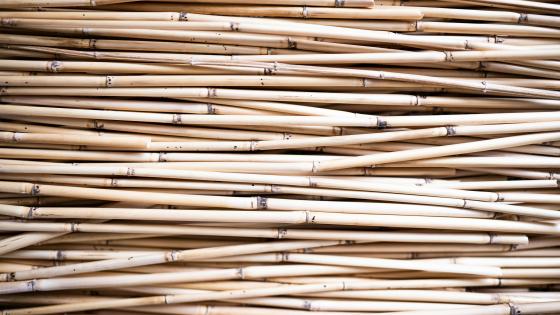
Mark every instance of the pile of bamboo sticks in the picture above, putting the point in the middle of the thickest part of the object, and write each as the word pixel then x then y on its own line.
pixel 325 157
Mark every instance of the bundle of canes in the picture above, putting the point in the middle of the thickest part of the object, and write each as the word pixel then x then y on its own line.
pixel 326 157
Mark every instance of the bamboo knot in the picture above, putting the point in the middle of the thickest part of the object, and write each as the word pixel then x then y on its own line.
pixel 86 31
pixel 234 26
pixel 98 125
pixel 162 157
pixel 173 255
pixel 9 277
pixel 484 87
pixel 339 3
pixel 315 167
pixel 451 131
pixel 448 56
pixel 381 123
pixel 183 16
pixel 240 273
pixel 211 92
pixel 307 305
pixel 499 197
pixel 130 171
pixel 31 212
pixel 514 309
pixel 108 81
pixel 35 190
pixel 59 255
pixel 309 218
pixel 176 119
pixel 491 238
pixel 304 12
pixel 92 43
pixel 253 145
pixel 32 285
pixel 523 18
pixel 262 203
pixel 8 22
pixel 287 136
pixel 54 66
pixel 292 44
pixel 284 257
pixel 498 39
pixel 282 232
pixel 92 3
pixel 74 227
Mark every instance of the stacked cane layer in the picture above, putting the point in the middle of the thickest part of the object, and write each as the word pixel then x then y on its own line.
pixel 325 157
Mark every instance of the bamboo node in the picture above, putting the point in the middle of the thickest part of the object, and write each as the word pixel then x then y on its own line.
pixel 35 190
pixel 284 257
pixel 234 26
pixel 98 125
pixel 262 203
pixel 108 81
pixel 210 109
pixel 54 66
pixel 253 145
pixel 499 197
pixel 173 255
pixel 282 232
pixel 448 56
pixel 162 157
pixel 339 3
pixel 514 309
pixel 364 82
pixel 315 166
pixel 59 255
pixel 304 12
pixel 176 119
pixel 523 18
pixel 130 171
pixel 183 16
pixel 307 305
pixel 273 70
pixel 240 273
pixel 92 43
pixel 451 131
pixel 492 238
pixel 11 276
pixel 484 87
pixel 381 124
pixel 211 92
pixel 8 22
pixel 292 44
pixel 114 182
pixel 74 227
pixel 287 136
pixel 31 212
